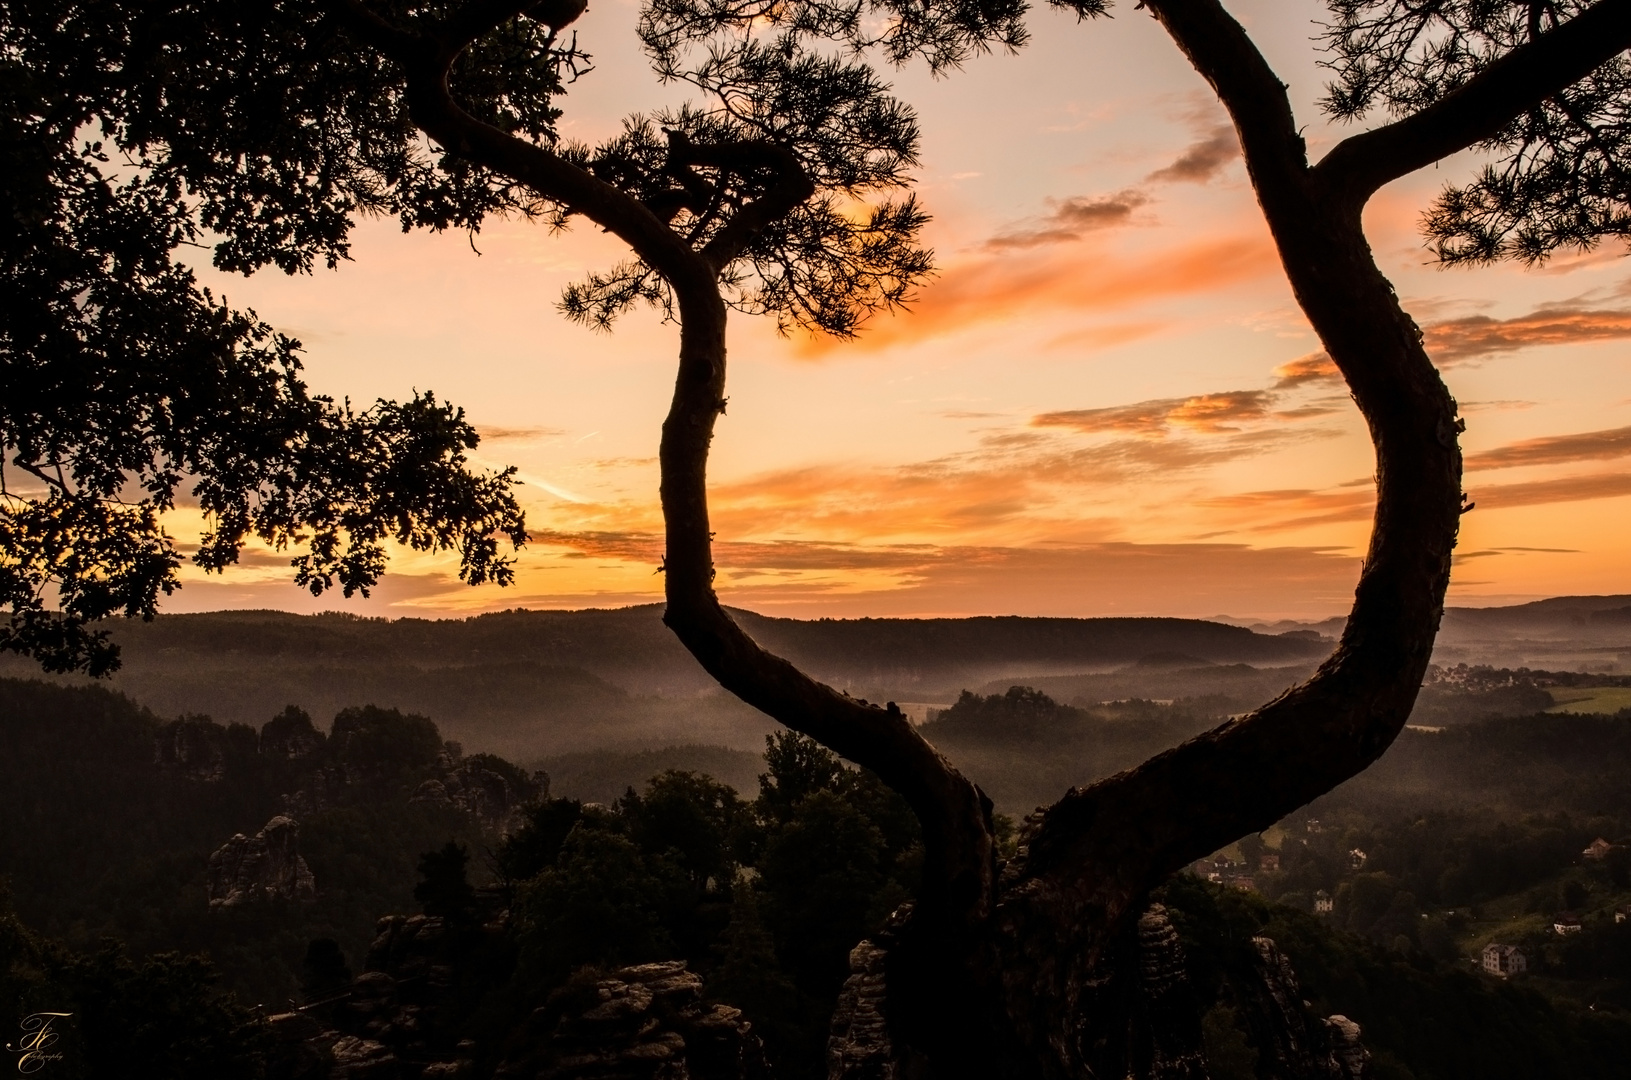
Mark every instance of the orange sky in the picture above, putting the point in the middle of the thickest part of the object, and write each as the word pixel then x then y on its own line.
pixel 1106 402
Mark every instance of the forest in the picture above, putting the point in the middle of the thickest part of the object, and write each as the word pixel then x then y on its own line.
pixel 1470 834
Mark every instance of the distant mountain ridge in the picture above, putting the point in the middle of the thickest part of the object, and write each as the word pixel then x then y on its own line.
pixel 531 684
pixel 1576 633
pixel 535 683
pixel 1555 610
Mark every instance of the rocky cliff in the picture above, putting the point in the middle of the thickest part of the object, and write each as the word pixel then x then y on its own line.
pixel 252 869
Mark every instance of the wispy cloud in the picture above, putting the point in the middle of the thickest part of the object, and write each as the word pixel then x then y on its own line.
pixel 1018 481
pixel 1005 287
pixel 1315 367
pixel 817 578
pixel 500 434
pixel 1555 450
pixel 1070 219
pixel 1203 412
pixel 1479 336
pixel 1562 489
pixel 1289 508
pixel 1202 159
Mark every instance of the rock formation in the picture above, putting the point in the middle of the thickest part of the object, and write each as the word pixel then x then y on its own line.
pixel 249 869
pixel 1293 1044
pixel 643 1023
pixel 470 785
pixel 640 1023
pixel 1170 1013
pixel 859 1047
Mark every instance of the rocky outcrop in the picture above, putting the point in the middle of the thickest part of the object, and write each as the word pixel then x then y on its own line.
pixel 390 1022
pixel 1171 1015
pixel 409 948
pixel 253 869
pixel 1292 1043
pixel 1161 1012
pixel 475 787
pixel 642 1023
pixel 1348 1058
pixel 305 1049
pixel 858 1045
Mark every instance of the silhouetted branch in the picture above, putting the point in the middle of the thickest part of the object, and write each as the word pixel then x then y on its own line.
pixel 1490 100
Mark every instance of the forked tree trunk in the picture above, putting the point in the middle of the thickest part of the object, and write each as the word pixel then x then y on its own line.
pixel 1026 973
pixel 1033 973
pixel 1037 969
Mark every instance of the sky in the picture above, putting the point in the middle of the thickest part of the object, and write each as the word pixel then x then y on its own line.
pixel 1105 403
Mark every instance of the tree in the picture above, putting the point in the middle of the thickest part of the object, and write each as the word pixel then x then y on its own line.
pixel 444 889
pixel 692 819
pixel 324 971
pixel 740 203
pixel 1026 974
pixel 129 390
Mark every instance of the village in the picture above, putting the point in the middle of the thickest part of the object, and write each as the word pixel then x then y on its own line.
pixel 1314 867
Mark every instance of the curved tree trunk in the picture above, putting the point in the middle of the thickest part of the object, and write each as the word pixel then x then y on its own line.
pixel 1037 971
pixel 1026 974
pixel 1018 976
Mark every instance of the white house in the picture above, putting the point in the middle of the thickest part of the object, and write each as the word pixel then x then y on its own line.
pixel 1504 960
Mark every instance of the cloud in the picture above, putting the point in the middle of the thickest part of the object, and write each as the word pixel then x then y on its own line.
pixel 1291 508
pixel 1288 508
pixel 1017 483
pixel 1003 287
pixel 739 555
pixel 1099 337
pixel 1478 336
pixel 1315 367
pixel 1071 218
pixel 1555 450
pixel 1202 159
pixel 499 434
pixel 812 579
pixel 1475 337
pixel 1203 412
pixel 1563 489
pixel 1503 405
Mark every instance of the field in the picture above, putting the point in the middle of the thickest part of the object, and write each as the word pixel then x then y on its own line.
pixel 1606 700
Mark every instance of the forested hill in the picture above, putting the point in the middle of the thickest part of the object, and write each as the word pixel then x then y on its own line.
pixel 630 647
pixel 531 683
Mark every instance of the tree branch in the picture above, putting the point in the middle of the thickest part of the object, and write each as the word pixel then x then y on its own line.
pixel 434 109
pixel 793 186
pixel 476 19
pixel 1099 849
pixel 1221 51
pixel 376 30
pixel 1520 80
pixel 959 856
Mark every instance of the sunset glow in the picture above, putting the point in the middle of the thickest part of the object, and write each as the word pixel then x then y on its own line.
pixel 1107 402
